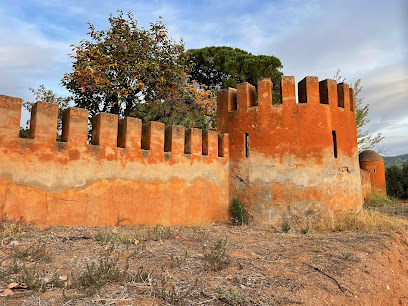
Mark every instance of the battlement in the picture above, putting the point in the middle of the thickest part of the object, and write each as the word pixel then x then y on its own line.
pixel 310 92
pixel 140 173
pixel 323 117
pixel 113 139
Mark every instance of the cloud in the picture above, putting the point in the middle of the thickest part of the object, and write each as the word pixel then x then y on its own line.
pixel 26 56
pixel 386 91
pixel 336 35
pixel 365 39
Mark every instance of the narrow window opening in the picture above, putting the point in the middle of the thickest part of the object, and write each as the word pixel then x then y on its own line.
pixel 334 144
pixel 246 145
pixel 374 170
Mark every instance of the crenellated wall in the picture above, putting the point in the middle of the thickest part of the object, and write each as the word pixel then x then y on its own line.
pixel 302 155
pixel 131 172
pixel 272 156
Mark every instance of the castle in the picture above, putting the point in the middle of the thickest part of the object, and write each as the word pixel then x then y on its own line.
pixel 271 156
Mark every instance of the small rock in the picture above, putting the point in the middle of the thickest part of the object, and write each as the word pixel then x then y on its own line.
pixel 388 287
pixel 12 285
pixel 6 292
pixel 63 277
pixel 14 243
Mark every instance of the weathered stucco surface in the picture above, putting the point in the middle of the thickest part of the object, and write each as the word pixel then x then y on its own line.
pixel 71 182
pixel 365 183
pixel 274 157
pixel 291 159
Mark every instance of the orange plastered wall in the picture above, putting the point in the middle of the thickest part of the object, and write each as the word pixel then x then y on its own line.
pixel 132 172
pixel 291 146
pixel 365 183
pixel 303 129
pixel 377 175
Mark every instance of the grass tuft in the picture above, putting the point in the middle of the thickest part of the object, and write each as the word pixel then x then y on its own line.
pixel 217 257
pixel 35 252
pixel 377 200
pixel 10 230
pixel 96 275
pixel 172 294
pixel 34 279
pixel 108 237
pixel 239 214
pixel 230 297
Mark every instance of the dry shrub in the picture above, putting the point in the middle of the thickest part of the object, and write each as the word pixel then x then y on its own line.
pixel 325 220
pixel 10 230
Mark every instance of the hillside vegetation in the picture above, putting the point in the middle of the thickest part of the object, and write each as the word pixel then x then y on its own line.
pixel 388 160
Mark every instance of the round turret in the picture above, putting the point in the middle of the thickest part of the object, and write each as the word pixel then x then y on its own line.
pixel 373 163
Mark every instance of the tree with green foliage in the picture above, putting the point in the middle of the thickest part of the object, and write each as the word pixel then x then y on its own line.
pixel 127 70
pixel 221 67
pixel 48 96
pixel 396 176
pixel 365 140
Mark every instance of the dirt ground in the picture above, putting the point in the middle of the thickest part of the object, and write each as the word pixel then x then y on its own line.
pixel 216 264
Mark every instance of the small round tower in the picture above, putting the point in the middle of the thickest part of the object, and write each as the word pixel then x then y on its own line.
pixel 372 162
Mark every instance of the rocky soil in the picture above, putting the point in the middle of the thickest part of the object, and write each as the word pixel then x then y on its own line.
pixel 217 264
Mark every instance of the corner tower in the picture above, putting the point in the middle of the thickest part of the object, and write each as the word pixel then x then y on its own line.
pixel 291 155
pixel 373 163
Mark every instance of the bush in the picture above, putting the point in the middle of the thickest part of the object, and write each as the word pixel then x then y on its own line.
pixel 377 200
pixel 285 225
pixel 239 214
pixel 396 176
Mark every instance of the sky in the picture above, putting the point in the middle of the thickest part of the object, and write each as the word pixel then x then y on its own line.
pixel 366 39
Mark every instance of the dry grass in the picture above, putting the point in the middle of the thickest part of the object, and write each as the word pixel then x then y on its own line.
pixel 213 265
pixel 330 221
pixel 194 266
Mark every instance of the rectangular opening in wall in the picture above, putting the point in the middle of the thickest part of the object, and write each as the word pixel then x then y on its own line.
pixel 220 145
pixel 187 142
pixel 277 95
pixel 374 170
pixel 232 102
pixel 254 102
pixel 334 144
pixel 204 143
pixel 246 145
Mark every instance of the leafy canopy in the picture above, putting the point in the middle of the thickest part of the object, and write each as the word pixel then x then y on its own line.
pixel 127 70
pixel 220 67
pixel 365 140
